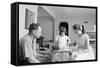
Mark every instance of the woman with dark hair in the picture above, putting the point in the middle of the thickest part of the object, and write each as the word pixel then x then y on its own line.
pixel 62 41
pixel 85 51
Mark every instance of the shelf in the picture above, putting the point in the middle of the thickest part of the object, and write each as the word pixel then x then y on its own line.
pixel 92 39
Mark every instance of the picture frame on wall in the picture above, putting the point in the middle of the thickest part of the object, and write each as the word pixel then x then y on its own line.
pixel 53 33
pixel 29 18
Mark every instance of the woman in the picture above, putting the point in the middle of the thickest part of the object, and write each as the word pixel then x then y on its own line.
pixel 85 51
pixel 62 41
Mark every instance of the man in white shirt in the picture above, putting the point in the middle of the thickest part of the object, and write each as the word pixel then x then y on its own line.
pixel 27 45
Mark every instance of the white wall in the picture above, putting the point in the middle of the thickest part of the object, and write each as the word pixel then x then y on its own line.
pixel 47 24
pixel 22 8
pixel 73 16
pixel 89 27
pixel 46 20
pixel 78 16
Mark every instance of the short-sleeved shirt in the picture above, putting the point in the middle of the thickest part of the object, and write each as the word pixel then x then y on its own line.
pixel 63 42
pixel 27 48
pixel 85 50
pixel 81 40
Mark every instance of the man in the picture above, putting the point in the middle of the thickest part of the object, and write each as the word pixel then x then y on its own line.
pixel 27 45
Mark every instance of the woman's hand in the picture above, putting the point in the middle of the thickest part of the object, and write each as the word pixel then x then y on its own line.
pixel 73 57
pixel 74 46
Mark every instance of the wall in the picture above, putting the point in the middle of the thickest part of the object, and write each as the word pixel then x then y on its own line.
pixel 78 16
pixel 22 8
pixel 47 24
pixel 89 27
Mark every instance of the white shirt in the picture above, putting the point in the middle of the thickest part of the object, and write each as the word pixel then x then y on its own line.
pixel 27 48
pixel 81 41
pixel 85 50
pixel 63 42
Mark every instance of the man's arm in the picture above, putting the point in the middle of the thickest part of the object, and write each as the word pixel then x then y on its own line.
pixel 29 53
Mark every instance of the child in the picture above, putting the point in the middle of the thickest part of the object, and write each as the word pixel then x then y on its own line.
pixel 85 51
pixel 62 41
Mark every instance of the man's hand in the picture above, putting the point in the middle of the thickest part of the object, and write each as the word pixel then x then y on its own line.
pixel 33 60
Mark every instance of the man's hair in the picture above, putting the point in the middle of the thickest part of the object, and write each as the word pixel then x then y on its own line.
pixel 33 26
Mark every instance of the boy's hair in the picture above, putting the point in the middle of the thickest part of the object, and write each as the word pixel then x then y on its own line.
pixel 33 26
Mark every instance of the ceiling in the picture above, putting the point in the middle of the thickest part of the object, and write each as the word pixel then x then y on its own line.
pixel 42 12
pixel 69 11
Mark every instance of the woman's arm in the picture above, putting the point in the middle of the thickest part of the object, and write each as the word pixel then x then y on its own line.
pixel 56 42
pixel 74 46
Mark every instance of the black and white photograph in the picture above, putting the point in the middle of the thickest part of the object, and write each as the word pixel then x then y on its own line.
pixel 55 33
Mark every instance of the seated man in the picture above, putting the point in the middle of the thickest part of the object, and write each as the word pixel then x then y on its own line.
pixel 27 45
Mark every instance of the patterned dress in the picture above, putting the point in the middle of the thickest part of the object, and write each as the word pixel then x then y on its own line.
pixel 63 53
pixel 85 51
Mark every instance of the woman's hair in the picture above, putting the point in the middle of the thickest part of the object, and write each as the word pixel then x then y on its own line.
pixel 62 29
pixel 83 30
pixel 33 26
pixel 79 27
